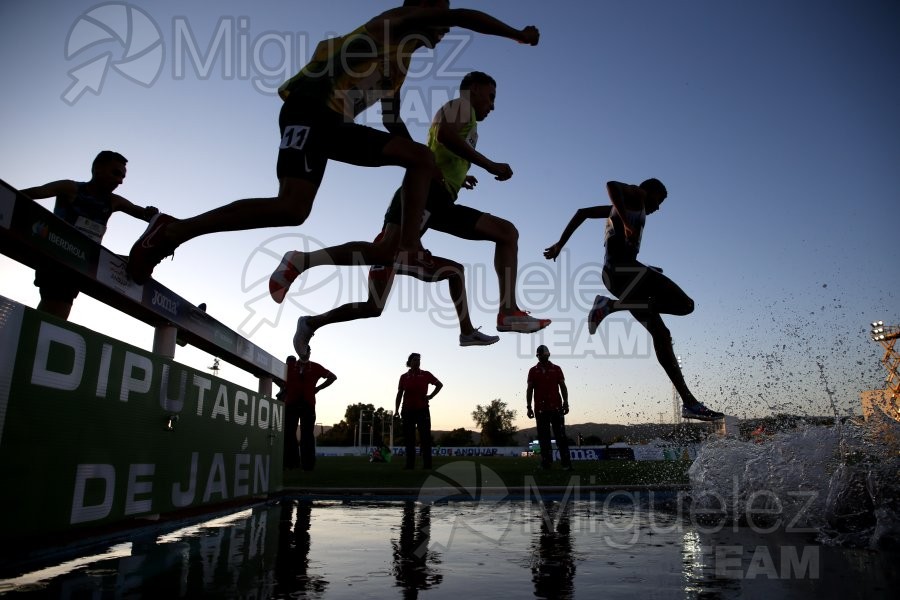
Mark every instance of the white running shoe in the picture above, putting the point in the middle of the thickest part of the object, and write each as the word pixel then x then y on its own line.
pixel 476 338
pixel 520 321
pixel 302 337
pixel 282 277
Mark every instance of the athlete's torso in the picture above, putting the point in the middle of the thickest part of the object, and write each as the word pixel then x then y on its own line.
pixel 617 248
pixel 350 73
pixel 87 212
pixel 453 167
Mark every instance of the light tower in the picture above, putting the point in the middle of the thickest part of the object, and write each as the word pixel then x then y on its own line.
pixel 676 400
pixel 887 336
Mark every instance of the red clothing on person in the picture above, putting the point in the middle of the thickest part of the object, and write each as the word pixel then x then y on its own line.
pixel 415 388
pixel 302 380
pixel 545 380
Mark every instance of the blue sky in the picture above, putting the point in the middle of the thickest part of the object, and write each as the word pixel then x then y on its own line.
pixel 773 124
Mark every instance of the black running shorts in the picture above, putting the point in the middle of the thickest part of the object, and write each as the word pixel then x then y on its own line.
pixel 311 134
pixel 55 283
pixel 639 287
pixel 442 213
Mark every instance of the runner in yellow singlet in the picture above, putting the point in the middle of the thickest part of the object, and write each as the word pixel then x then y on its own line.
pixel 453 137
pixel 346 76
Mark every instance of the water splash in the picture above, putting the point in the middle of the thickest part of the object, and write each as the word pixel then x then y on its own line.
pixel 840 482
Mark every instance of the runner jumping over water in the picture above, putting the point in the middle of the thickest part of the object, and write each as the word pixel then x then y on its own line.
pixel 643 291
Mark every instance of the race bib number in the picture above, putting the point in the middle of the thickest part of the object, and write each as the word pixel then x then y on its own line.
pixel 294 137
pixel 92 229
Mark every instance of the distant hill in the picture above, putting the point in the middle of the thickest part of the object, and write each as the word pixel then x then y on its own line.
pixel 635 434
pixel 607 432
pixel 614 432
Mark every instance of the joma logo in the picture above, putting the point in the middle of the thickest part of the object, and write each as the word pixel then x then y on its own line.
pixel 167 304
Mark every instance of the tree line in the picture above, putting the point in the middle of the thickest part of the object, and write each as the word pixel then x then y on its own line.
pixel 366 425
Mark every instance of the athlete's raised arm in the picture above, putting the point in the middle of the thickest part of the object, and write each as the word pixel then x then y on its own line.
pixel 580 216
pixel 450 135
pixel 437 20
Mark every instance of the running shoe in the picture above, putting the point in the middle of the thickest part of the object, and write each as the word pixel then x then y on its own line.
pixel 149 249
pixel 520 321
pixel 699 412
pixel 281 279
pixel 416 264
pixel 601 308
pixel 302 336
pixel 476 338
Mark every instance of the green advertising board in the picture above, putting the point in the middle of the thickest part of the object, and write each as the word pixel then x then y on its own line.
pixel 94 432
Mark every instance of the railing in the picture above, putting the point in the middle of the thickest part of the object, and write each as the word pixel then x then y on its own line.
pixel 97 435
pixel 30 234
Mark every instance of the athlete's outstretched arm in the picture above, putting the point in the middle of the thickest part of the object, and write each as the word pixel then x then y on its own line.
pixel 449 135
pixel 65 188
pixel 403 21
pixel 581 215
pixel 144 213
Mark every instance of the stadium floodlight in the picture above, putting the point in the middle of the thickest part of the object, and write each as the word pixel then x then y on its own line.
pixel 880 333
pixel 887 336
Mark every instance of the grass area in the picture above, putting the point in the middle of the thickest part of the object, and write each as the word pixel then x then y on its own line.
pixel 356 472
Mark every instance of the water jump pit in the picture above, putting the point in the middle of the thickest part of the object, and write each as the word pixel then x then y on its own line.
pixel 807 513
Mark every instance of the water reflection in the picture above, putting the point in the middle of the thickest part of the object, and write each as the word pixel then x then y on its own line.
pixel 737 562
pixel 700 577
pixel 228 556
pixel 355 549
pixel 552 562
pixel 413 561
pixel 292 574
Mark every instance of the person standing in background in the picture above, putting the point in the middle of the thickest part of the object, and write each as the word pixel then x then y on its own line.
pixel 412 393
pixel 302 385
pixel 547 387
